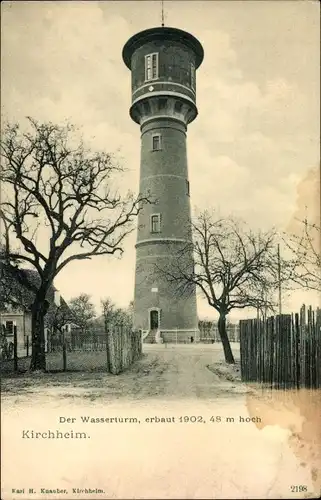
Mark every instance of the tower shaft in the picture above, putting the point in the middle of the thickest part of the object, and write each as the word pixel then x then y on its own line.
pixel 163 62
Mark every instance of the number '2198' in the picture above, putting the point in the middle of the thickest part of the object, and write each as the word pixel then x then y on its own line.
pixel 298 488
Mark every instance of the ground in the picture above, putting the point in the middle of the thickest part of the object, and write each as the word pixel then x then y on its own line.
pixel 220 439
pixel 169 372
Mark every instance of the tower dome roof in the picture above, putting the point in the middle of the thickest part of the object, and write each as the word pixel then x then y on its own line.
pixel 162 33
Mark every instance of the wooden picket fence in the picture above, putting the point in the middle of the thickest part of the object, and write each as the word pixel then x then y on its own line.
pixel 283 351
pixel 124 347
pixel 209 332
pixel 113 351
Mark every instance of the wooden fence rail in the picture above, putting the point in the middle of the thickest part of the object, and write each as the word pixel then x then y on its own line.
pixel 282 351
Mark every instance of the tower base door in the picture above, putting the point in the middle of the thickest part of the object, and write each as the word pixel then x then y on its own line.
pixel 153 332
pixel 154 320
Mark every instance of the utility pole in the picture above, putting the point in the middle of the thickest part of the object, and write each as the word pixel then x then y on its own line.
pixel 265 305
pixel 279 281
pixel 163 24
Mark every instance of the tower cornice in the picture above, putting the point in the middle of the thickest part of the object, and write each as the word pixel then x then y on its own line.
pixel 149 241
pixel 146 108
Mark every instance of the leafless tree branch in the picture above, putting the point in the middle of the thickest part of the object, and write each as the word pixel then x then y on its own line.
pixel 60 205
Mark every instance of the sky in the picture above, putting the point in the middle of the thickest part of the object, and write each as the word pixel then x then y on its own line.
pixel 253 150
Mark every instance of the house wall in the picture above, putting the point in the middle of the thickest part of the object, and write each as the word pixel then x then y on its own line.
pixel 23 323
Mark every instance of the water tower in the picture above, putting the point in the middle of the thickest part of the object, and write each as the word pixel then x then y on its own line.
pixel 163 63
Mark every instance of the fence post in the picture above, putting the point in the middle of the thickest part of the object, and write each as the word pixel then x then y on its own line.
pixel 64 355
pixel 121 347
pixel 108 347
pixel 15 348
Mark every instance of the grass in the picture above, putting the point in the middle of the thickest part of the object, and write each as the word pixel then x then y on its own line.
pixel 85 373
pixel 84 361
pixel 232 373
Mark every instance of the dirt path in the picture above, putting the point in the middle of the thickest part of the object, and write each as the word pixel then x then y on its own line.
pixel 186 373
pixel 172 372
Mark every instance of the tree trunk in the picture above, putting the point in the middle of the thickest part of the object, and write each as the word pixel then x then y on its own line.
pixel 38 357
pixel 229 358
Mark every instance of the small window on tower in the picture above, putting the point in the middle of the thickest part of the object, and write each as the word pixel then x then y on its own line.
pixel 193 76
pixel 187 187
pixel 155 223
pixel 157 142
pixel 151 67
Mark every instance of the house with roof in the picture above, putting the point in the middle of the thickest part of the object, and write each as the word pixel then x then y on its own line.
pixel 15 310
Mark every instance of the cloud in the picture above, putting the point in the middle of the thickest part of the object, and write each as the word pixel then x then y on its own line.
pixel 64 63
pixel 308 202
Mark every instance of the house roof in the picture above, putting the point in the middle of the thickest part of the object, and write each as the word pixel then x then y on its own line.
pixel 14 293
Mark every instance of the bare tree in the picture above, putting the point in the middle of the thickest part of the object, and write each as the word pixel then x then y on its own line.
pixel 56 319
pixel 122 317
pixel 305 247
pixel 114 315
pixel 130 310
pixel 60 206
pixel 108 308
pixel 82 311
pixel 231 267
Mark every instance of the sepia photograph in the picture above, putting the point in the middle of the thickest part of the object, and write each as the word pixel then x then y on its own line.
pixel 160 249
